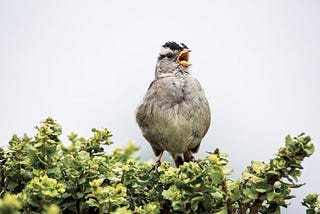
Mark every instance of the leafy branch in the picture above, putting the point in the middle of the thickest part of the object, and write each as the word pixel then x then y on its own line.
pixel 41 175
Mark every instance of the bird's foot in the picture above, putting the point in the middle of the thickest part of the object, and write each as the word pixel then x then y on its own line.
pixel 192 158
pixel 158 162
pixel 199 164
pixel 155 166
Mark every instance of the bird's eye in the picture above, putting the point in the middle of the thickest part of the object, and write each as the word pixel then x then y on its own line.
pixel 169 56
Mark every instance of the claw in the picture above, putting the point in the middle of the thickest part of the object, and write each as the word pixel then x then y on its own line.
pixel 201 167
pixel 157 164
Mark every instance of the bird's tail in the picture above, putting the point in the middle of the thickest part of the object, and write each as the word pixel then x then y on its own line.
pixel 179 159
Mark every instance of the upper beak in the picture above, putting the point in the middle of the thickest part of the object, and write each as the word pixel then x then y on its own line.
pixel 183 58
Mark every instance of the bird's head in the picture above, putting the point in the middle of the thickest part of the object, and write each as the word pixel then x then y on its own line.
pixel 173 60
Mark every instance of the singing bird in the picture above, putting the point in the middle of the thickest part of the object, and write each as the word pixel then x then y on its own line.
pixel 175 113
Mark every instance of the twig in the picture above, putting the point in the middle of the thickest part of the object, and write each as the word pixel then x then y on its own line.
pixel 229 202
pixel 254 209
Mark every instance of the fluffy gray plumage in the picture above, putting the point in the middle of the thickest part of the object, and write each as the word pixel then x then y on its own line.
pixel 175 113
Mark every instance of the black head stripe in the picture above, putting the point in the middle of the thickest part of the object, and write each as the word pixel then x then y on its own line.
pixel 175 46
pixel 184 46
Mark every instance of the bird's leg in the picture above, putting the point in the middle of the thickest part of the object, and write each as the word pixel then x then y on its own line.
pixel 191 157
pixel 158 162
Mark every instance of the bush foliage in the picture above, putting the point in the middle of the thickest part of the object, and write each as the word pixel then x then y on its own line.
pixel 41 175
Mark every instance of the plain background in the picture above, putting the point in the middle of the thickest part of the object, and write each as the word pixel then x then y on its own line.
pixel 88 64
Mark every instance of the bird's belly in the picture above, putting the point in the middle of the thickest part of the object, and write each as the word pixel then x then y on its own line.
pixel 175 132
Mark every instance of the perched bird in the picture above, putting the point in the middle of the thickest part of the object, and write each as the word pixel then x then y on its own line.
pixel 175 114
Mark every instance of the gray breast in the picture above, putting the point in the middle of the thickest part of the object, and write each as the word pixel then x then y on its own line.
pixel 175 114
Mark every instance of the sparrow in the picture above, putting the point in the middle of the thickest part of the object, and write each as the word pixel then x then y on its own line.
pixel 175 114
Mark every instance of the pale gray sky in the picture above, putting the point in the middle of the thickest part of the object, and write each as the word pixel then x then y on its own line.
pixel 88 64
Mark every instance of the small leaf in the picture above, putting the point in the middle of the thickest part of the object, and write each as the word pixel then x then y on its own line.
pixel 258 166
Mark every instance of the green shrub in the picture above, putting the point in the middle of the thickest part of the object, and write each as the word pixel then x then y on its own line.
pixel 41 175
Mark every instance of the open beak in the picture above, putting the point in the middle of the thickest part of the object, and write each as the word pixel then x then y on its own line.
pixel 183 58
